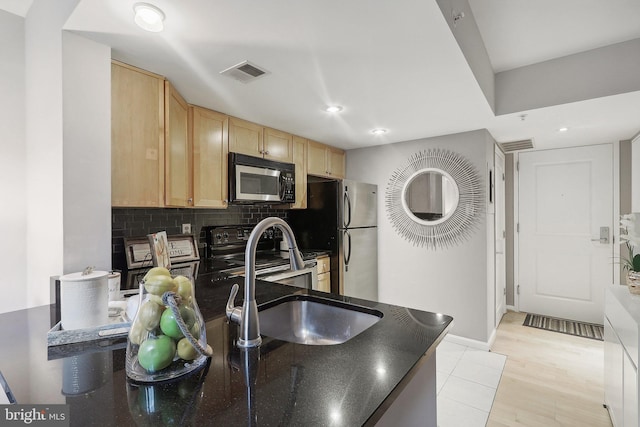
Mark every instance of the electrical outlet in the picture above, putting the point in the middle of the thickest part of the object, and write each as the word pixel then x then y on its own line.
pixel 186 228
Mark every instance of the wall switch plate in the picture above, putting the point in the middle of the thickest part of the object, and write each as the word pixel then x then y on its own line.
pixel 186 228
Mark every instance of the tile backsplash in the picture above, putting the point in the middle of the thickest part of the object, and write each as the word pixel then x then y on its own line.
pixel 138 222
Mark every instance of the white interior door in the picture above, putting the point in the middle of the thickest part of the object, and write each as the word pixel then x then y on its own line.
pixel 500 237
pixel 565 200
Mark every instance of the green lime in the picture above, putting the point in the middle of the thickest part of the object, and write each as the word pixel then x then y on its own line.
pixel 137 333
pixel 156 353
pixel 186 351
pixel 184 287
pixel 169 325
pixel 149 315
pixel 157 271
pixel 159 284
pixel 195 330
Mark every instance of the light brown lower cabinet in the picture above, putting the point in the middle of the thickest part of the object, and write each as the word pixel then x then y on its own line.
pixel 324 273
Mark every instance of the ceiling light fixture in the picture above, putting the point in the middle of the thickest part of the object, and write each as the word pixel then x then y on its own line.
pixel 148 17
pixel 563 129
pixel 379 131
pixel 333 109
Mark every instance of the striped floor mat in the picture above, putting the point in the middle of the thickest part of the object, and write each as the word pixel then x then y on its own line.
pixel 570 327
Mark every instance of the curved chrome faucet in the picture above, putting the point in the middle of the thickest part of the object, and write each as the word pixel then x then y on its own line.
pixel 247 315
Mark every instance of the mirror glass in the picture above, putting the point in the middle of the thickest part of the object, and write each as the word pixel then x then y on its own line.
pixel 430 196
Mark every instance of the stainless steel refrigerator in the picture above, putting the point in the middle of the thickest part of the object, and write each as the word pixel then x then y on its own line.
pixel 341 218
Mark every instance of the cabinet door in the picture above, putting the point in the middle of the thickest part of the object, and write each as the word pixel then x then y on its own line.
pixel 317 161
pixel 336 163
pixel 245 137
pixel 300 160
pixel 278 145
pixel 178 152
pixel 209 136
pixel 613 366
pixel 324 282
pixel 630 393
pixel 137 137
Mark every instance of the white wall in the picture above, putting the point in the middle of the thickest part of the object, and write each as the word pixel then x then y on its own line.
pixel 490 147
pixel 55 164
pixel 86 154
pixel 469 39
pixel 635 174
pixel 13 163
pixel 451 281
pixel 609 70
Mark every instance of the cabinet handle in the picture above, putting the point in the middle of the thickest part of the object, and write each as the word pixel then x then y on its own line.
pixel 190 200
pixel 266 153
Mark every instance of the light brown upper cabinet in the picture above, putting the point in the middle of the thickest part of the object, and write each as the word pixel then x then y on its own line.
pixel 254 140
pixel 137 137
pixel 325 161
pixel 300 160
pixel 209 133
pixel 177 150
pixel 278 145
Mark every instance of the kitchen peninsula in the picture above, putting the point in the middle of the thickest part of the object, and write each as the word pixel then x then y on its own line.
pixel 280 383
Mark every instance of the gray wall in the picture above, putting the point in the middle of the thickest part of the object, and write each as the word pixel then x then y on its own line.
pixel 451 281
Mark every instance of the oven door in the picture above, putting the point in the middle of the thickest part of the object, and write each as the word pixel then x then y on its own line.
pixel 306 278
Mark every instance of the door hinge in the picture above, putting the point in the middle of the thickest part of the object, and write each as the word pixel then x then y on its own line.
pixel 503 177
pixel 518 166
pixel 517 227
pixel 504 234
pixel 518 289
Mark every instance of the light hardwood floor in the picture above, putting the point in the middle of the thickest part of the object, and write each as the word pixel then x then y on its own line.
pixel 549 379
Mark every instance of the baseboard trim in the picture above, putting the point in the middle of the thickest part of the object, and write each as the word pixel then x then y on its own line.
pixel 468 342
pixel 512 308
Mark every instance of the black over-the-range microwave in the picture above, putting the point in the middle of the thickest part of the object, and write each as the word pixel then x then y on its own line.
pixel 254 180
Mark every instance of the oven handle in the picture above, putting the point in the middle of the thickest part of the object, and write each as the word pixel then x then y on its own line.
pixel 274 276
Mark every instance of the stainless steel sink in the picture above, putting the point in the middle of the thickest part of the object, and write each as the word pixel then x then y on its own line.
pixel 311 320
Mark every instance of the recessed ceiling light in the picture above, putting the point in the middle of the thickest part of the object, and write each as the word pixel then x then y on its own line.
pixel 563 129
pixel 333 109
pixel 148 17
pixel 379 131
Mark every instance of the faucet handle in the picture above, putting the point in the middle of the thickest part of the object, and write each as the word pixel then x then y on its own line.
pixel 233 312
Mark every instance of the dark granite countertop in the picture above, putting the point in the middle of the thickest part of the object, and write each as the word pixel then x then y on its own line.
pixel 348 384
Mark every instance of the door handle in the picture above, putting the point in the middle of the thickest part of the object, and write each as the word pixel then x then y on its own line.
pixel 604 236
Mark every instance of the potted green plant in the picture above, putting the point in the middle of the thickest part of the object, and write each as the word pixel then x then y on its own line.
pixel 630 234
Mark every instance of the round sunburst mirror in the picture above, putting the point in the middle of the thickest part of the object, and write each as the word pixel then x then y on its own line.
pixel 435 199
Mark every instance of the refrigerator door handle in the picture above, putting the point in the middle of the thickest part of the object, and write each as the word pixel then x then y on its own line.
pixel 347 253
pixel 347 209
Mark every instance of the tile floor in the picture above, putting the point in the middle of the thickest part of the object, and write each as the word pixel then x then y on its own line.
pixel 467 380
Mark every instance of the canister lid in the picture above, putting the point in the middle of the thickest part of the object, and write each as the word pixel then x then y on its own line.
pixel 79 277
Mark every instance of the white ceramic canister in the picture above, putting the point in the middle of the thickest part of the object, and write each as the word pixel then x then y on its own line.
pixel 84 300
pixel 114 286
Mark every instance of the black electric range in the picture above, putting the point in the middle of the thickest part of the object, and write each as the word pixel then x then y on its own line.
pixel 226 247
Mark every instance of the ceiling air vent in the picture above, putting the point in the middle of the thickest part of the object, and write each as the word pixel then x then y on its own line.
pixel 510 147
pixel 245 72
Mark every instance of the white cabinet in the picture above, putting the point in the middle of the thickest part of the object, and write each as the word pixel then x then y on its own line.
pixel 613 366
pixel 630 393
pixel 621 354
